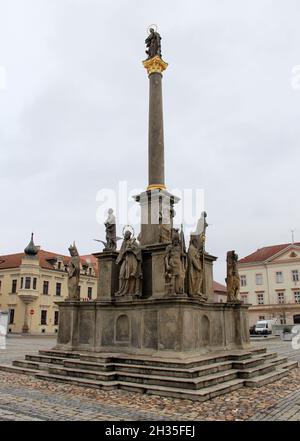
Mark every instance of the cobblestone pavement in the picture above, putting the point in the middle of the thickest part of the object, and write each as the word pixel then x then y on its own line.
pixel 17 346
pixel 287 409
pixel 283 348
pixel 25 398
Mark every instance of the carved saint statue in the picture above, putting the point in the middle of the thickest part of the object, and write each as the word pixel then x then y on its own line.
pixel 73 273
pixel 130 259
pixel 153 43
pixel 199 237
pixel 233 278
pixel 110 226
pixel 174 264
pixel 195 270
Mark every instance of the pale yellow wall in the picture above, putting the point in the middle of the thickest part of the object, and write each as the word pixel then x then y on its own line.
pixel 31 268
pixel 270 288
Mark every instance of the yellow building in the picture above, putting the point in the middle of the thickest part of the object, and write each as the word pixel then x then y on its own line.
pixel 270 283
pixel 31 283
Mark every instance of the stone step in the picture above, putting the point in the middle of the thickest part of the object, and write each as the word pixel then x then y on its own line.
pixel 17 370
pixel 44 359
pixel 184 363
pixel 92 375
pixel 258 370
pixel 254 360
pixel 193 372
pixel 31 365
pixel 182 383
pixel 195 395
pixel 258 350
pixel 289 365
pixel 59 354
pixel 261 380
pixel 90 366
pixel 189 383
pixel 86 382
pixel 150 370
pixel 147 361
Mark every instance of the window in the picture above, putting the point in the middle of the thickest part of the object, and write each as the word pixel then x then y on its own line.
pixel 11 316
pixel 27 282
pixel 55 318
pixel 58 289
pixel 34 283
pixel 244 298
pixel 22 282
pixel 261 317
pixel 43 317
pixel 243 280
pixel 90 291
pixel 260 299
pixel 279 277
pixel 46 287
pixel 258 279
pixel 59 265
pixel 79 289
pixel 280 297
pixel 297 296
pixel 282 320
pixel 14 286
pixel 295 276
pixel 90 271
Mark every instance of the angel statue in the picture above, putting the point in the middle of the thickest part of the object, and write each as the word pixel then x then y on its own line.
pixel 73 273
pixel 110 229
pixel 130 259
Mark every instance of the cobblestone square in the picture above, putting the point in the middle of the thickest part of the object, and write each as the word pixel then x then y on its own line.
pixel 23 398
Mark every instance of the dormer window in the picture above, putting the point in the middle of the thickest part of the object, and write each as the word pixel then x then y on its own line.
pixel 90 271
pixel 59 266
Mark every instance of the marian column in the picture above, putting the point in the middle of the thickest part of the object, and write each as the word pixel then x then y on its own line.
pixel 156 161
pixel 156 202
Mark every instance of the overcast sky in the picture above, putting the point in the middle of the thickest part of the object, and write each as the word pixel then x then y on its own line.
pixel 74 114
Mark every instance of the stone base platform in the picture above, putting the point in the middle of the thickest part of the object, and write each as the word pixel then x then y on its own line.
pixel 192 377
pixel 171 325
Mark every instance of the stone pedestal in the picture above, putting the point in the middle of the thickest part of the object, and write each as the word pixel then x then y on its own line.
pixel 108 278
pixel 145 326
pixel 154 283
pixel 69 316
pixel 156 218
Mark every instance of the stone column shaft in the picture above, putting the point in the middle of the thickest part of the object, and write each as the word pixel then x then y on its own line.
pixel 156 172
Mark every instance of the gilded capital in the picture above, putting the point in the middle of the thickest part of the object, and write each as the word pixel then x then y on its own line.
pixel 156 187
pixel 155 64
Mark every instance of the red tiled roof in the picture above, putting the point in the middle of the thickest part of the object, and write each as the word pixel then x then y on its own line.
pixel 14 260
pixel 219 288
pixel 265 253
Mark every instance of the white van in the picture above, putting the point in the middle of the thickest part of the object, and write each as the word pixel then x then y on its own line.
pixel 264 326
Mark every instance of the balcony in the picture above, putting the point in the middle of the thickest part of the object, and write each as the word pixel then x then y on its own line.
pixel 28 295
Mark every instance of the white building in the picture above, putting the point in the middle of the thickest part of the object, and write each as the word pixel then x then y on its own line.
pixel 270 283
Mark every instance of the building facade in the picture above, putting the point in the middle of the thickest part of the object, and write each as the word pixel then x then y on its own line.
pixel 31 283
pixel 270 282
